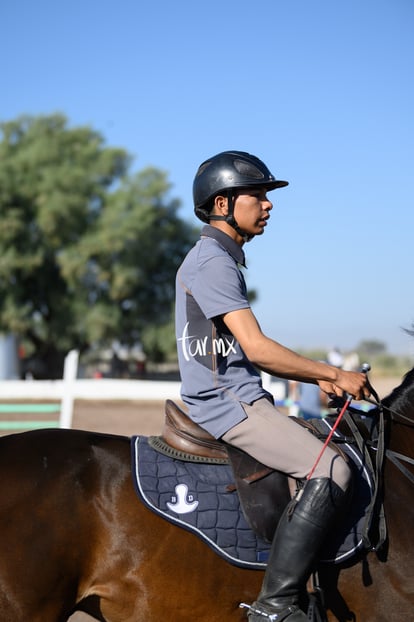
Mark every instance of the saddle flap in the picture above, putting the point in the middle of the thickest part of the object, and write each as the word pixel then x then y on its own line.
pixel 263 492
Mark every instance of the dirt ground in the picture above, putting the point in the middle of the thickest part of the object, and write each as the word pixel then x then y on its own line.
pixel 119 417
pixel 137 417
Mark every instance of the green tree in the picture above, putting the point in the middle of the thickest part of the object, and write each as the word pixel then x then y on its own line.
pixel 371 347
pixel 88 252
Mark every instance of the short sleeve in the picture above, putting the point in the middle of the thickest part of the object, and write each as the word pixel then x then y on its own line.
pixel 219 287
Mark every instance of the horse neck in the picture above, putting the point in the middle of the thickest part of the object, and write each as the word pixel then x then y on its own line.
pixel 399 489
pixel 401 399
pixel 400 406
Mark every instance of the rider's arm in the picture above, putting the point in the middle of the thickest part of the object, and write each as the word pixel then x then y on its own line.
pixel 276 359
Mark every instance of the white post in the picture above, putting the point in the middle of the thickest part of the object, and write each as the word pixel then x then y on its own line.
pixel 266 381
pixel 70 372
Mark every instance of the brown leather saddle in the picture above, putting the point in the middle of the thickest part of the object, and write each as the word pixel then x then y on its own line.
pixel 263 492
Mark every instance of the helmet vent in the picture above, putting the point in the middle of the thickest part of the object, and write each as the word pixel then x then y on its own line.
pixel 203 168
pixel 247 169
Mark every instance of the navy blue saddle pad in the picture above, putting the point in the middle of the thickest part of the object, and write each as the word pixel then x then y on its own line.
pixel 195 497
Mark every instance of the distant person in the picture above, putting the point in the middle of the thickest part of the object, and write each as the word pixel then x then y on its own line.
pixel 335 357
pixel 221 347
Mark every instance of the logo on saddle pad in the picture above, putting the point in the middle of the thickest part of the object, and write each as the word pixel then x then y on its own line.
pixel 182 502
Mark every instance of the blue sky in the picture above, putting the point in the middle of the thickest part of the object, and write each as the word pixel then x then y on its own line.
pixel 321 90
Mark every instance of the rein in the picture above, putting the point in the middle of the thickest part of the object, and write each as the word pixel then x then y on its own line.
pixel 394 413
pixel 375 466
pixel 395 457
pixel 365 369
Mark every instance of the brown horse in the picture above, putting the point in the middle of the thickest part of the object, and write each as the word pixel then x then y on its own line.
pixel 75 537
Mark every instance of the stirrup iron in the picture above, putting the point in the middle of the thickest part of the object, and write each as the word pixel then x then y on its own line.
pixel 272 617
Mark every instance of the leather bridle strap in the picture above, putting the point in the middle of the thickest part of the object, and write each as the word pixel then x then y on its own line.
pixel 376 498
pixel 396 458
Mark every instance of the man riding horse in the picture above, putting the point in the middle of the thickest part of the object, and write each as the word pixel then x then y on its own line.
pixel 221 346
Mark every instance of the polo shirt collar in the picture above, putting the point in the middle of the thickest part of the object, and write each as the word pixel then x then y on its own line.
pixel 226 242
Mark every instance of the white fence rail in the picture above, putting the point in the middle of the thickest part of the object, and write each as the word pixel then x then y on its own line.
pixel 99 389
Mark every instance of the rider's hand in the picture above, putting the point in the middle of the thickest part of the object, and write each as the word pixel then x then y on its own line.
pixel 350 382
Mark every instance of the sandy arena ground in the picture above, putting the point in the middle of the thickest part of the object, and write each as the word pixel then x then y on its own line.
pixel 137 417
pixel 118 417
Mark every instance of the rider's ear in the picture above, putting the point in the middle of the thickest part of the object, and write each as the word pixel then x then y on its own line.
pixel 221 205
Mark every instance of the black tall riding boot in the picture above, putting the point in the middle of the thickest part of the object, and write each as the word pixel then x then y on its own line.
pixel 299 536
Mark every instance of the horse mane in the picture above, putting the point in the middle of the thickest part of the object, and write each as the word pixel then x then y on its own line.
pixel 402 397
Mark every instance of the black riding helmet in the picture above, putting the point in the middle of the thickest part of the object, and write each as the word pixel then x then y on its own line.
pixel 222 174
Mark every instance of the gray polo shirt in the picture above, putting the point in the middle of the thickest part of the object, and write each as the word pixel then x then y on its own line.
pixel 215 373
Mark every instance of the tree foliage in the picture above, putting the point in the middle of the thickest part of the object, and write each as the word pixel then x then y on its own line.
pixel 371 347
pixel 88 251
